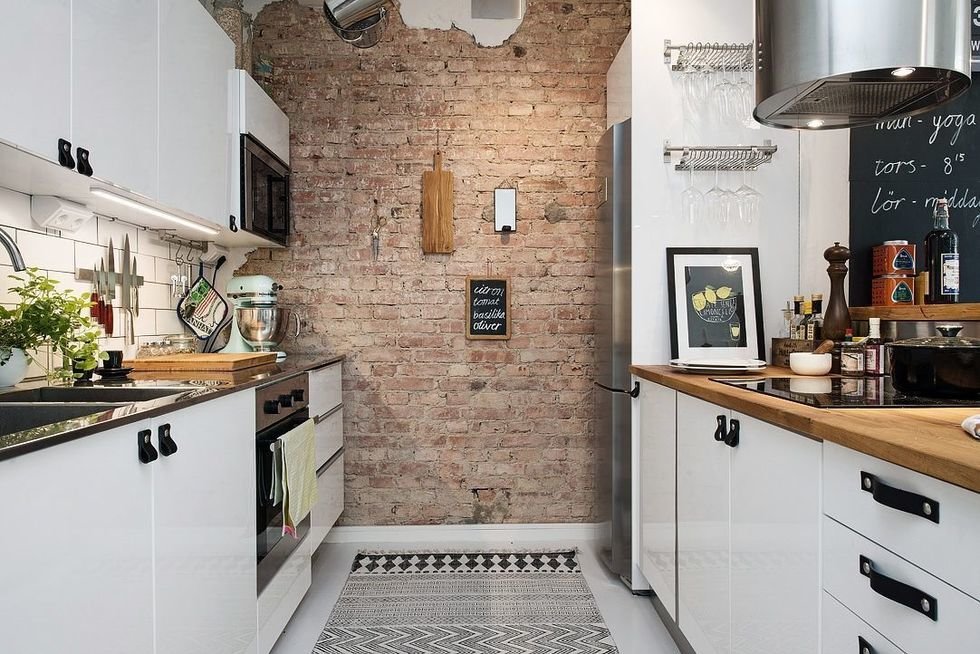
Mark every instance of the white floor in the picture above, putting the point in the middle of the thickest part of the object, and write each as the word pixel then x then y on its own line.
pixel 634 624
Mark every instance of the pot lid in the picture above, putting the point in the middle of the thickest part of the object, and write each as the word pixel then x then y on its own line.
pixel 949 338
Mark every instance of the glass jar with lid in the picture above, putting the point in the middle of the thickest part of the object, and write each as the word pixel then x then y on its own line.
pixel 181 344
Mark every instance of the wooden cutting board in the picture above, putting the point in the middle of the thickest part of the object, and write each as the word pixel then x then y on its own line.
pixel 207 362
pixel 437 209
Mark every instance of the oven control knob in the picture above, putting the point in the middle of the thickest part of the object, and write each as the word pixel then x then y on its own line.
pixel 286 400
pixel 299 394
pixel 271 407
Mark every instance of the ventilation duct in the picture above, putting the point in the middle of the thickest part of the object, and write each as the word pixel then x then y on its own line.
pixel 361 23
pixel 825 64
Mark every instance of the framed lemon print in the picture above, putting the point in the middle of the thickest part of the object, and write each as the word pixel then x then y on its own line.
pixel 715 300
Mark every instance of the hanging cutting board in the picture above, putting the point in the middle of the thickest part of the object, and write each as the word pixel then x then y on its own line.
pixel 437 209
pixel 208 362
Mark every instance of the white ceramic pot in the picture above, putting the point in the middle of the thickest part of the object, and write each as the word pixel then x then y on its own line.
pixel 14 369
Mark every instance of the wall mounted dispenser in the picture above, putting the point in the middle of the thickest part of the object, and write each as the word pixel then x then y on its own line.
pixel 505 210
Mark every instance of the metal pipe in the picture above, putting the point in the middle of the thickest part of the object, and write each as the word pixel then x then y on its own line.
pixel 12 251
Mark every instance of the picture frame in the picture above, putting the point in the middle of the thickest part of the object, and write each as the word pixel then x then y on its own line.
pixel 715 302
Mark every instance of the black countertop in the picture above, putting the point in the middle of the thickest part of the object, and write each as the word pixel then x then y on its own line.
pixel 191 388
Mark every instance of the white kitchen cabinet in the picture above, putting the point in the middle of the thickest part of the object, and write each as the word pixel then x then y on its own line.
pixel 195 57
pixel 703 519
pixel 657 410
pixel 76 561
pixel 748 533
pixel 204 528
pixel 114 101
pixel 843 632
pixel 36 108
pixel 775 540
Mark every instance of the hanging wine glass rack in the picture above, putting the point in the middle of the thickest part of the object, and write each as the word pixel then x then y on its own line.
pixel 709 57
pixel 719 157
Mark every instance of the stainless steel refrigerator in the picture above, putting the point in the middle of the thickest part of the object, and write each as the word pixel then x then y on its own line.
pixel 612 392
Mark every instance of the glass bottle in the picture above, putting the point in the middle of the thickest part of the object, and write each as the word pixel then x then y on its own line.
pixel 816 323
pixel 794 331
pixel 806 325
pixel 942 258
pixel 873 349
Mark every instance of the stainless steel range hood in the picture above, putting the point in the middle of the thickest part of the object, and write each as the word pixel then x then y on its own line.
pixel 825 64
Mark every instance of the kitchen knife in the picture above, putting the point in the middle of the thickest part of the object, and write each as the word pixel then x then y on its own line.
pixel 136 289
pixel 106 304
pixel 127 294
pixel 93 310
pixel 110 290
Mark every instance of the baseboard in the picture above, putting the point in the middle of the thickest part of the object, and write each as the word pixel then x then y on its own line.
pixel 465 534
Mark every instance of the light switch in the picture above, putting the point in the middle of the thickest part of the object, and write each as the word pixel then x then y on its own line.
pixel 505 210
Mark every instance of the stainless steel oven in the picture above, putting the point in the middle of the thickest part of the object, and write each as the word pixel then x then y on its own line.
pixel 265 191
pixel 280 408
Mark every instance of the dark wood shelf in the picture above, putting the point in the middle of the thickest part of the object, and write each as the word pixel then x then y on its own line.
pixel 919 312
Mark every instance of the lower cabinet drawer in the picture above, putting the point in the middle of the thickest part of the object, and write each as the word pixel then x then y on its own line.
pixel 913 609
pixel 279 599
pixel 330 501
pixel 329 437
pixel 845 633
pixel 325 389
pixel 929 522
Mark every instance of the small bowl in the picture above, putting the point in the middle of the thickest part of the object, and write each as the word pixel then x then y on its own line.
pixel 810 364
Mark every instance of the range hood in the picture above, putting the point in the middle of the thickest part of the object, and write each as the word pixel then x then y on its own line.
pixel 826 64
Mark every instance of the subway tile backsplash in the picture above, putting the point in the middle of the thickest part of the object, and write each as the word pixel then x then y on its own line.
pixel 60 255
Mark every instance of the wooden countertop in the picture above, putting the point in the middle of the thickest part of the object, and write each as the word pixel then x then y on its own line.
pixel 929 441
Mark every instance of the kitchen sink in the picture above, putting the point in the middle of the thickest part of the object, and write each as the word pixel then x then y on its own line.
pixel 18 417
pixel 87 394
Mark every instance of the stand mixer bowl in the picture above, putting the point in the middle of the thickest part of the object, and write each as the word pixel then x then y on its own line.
pixel 263 327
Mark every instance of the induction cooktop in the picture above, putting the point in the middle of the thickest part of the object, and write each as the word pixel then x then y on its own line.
pixel 843 392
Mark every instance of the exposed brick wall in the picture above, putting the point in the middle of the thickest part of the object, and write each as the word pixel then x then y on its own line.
pixel 440 429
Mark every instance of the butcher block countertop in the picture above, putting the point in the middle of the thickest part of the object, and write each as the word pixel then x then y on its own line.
pixel 926 440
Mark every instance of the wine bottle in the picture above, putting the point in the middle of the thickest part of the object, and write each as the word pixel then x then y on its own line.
pixel 942 258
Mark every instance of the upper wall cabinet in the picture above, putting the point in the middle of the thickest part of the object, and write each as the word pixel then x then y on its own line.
pixel 195 57
pixel 114 89
pixel 36 108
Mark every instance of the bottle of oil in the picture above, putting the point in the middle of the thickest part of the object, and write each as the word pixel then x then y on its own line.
pixel 942 258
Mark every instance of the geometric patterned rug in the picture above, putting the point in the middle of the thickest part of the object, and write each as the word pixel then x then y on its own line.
pixel 465 603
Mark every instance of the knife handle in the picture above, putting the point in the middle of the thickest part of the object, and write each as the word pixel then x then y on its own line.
pixel 108 318
pixel 93 310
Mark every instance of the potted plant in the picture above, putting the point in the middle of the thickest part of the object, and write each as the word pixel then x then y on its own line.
pixel 47 316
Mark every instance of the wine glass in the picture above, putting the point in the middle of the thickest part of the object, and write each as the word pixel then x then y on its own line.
pixel 721 96
pixel 748 200
pixel 715 197
pixel 692 202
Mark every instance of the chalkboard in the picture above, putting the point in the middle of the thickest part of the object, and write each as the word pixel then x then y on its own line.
pixel 487 308
pixel 898 170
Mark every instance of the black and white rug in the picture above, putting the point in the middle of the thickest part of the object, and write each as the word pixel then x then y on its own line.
pixel 465 603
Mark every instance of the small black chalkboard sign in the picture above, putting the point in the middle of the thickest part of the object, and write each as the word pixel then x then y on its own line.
pixel 487 308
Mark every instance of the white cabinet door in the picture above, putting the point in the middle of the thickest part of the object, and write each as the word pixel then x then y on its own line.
pixel 195 57
pixel 775 511
pixel 657 407
pixel 703 590
pixel 204 529
pixel 35 43
pixel 114 89
pixel 76 568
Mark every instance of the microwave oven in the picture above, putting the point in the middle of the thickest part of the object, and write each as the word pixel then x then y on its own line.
pixel 264 191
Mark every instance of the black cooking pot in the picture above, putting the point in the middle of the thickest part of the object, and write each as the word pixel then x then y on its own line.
pixel 938 366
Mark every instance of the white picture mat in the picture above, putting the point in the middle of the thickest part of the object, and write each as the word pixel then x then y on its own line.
pixel 684 350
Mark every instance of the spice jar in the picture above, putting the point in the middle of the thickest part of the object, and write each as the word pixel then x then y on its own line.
pixel 852 360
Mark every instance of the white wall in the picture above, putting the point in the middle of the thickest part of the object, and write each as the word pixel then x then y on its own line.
pixel 824 203
pixel 658 115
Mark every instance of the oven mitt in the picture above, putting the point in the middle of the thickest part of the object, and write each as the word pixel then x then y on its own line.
pixel 972 426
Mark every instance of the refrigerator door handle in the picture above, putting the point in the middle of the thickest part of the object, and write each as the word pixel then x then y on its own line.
pixel 633 393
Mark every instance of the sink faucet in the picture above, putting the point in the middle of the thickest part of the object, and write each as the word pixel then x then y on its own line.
pixel 15 256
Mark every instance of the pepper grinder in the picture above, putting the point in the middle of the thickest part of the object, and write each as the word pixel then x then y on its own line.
pixel 837 319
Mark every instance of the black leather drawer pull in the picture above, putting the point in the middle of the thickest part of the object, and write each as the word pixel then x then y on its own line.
pixel 898 499
pixel 864 647
pixel 898 592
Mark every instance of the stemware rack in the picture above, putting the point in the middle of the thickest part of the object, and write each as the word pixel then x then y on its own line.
pixel 719 157
pixel 709 57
